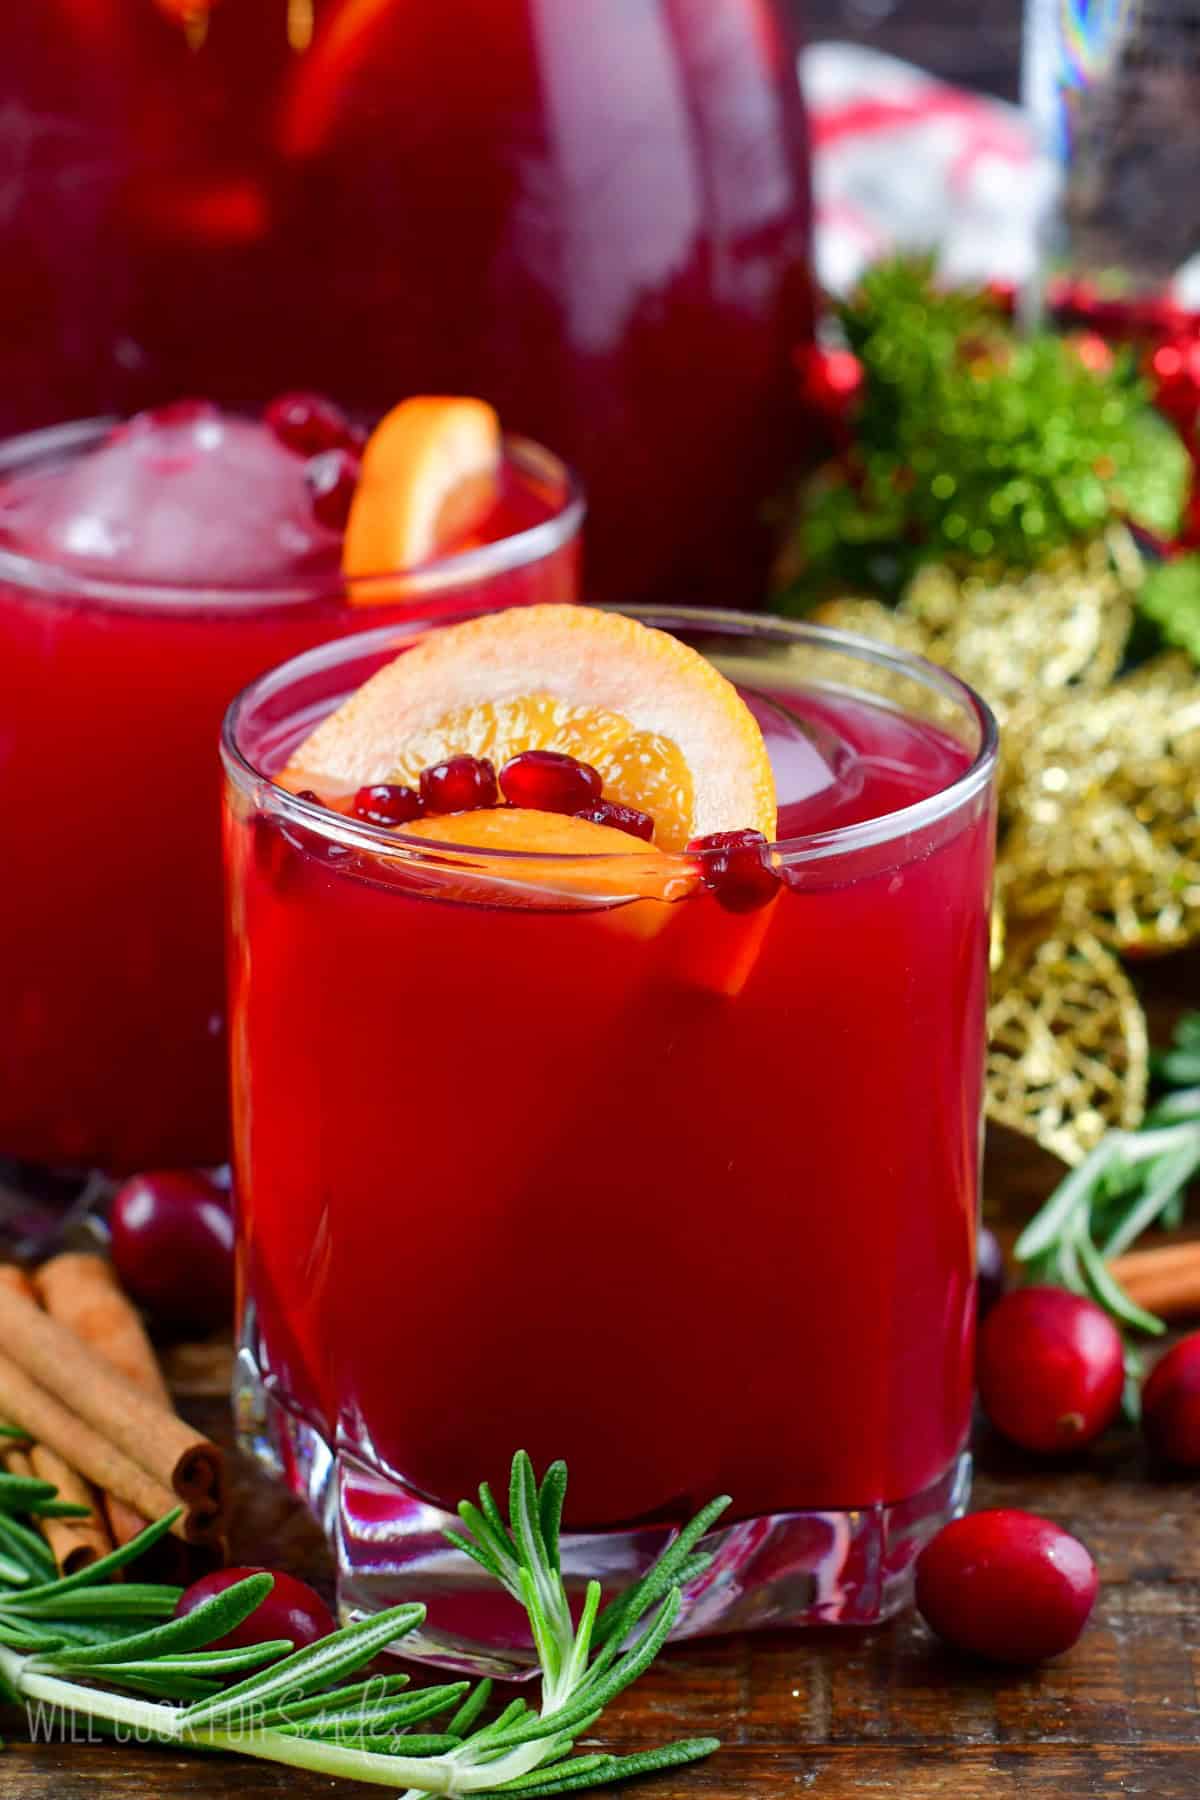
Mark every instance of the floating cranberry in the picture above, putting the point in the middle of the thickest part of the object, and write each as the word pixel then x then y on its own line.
pixel 620 818
pixel 387 804
pixel 306 423
pixel 1171 1405
pixel 1007 1586
pixel 734 865
pixel 460 785
pixel 332 479
pixel 181 412
pixel 992 1275
pixel 172 1247
pixel 1051 1368
pixel 550 782
pixel 291 1610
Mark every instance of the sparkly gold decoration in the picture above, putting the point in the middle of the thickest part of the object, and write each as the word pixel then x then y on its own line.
pixel 1099 847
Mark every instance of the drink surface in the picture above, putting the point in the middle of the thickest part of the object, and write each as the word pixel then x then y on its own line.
pixel 594 214
pixel 683 1195
pixel 111 968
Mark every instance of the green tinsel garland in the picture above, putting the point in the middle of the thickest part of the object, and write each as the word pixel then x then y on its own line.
pixel 974 445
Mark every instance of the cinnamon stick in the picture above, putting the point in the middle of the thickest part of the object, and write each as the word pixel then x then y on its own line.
pixel 74 1543
pixel 54 1386
pixel 1165 1280
pixel 81 1291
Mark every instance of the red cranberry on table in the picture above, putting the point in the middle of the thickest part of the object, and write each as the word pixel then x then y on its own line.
pixel 459 785
pixel 1007 1586
pixel 172 1247
pixel 734 866
pixel 1171 1405
pixel 550 782
pixel 1051 1369
pixel 291 1610
pixel 620 818
pixel 992 1275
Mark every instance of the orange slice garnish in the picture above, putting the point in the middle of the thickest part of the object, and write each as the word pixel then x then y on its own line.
pixel 584 872
pixel 664 728
pixel 430 477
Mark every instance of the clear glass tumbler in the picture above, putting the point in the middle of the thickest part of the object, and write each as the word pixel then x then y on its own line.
pixel 557 1153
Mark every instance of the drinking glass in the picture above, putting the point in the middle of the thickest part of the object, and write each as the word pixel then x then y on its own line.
pixel 552 1153
pixel 112 985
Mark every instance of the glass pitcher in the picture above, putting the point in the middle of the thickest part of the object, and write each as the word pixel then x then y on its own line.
pixel 594 212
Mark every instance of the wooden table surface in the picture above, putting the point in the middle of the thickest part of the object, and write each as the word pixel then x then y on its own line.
pixel 837 1713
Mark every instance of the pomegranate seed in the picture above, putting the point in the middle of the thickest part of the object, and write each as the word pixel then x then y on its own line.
pixel 621 818
pixel 1051 1369
pixel 290 1610
pixel 460 785
pixel 1171 1405
pixel 992 1275
pixel 1006 1585
pixel 387 804
pixel 734 866
pixel 172 1247
pixel 550 782
pixel 306 423
pixel 332 480
pixel 313 799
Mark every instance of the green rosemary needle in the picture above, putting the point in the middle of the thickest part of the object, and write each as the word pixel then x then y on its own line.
pixel 85 1647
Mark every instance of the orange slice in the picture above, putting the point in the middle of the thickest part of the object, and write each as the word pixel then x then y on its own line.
pixel 664 728
pixel 584 867
pixel 430 477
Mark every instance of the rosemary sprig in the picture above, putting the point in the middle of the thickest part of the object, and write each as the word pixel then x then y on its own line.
pixel 1130 1181
pixel 86 1647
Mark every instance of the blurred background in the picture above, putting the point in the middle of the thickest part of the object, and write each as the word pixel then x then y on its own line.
pixel 978 46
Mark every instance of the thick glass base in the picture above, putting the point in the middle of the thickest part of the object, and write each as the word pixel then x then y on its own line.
pixel 788 1569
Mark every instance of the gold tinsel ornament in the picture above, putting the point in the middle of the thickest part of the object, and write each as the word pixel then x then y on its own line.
pixel 1099 845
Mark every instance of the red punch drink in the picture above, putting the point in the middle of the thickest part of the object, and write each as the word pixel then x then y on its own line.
pixel 658 1154
pixel 148 571
pixel 592 212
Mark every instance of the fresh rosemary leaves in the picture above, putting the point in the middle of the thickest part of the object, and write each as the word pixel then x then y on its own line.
pixel 1130 1181
pixel 86 1648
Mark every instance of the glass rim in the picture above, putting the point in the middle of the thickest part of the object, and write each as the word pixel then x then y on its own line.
pixel 44 575
pixel 803 847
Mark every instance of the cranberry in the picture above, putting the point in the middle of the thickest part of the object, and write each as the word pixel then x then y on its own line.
pixel 181 412
pixel 1006 1585
pixel 550 781
pixel 1171 1405
pixel 734 866
pixel 290 1610
pixel 460 785
pixel 1051 1368
pixel 386 804
pixel 332 480
pixel 993 1277
pixel 172 1247
pixel 621 818
pixel 306 423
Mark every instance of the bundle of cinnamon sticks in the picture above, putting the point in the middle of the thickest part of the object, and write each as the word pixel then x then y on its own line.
pixel 79 1378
